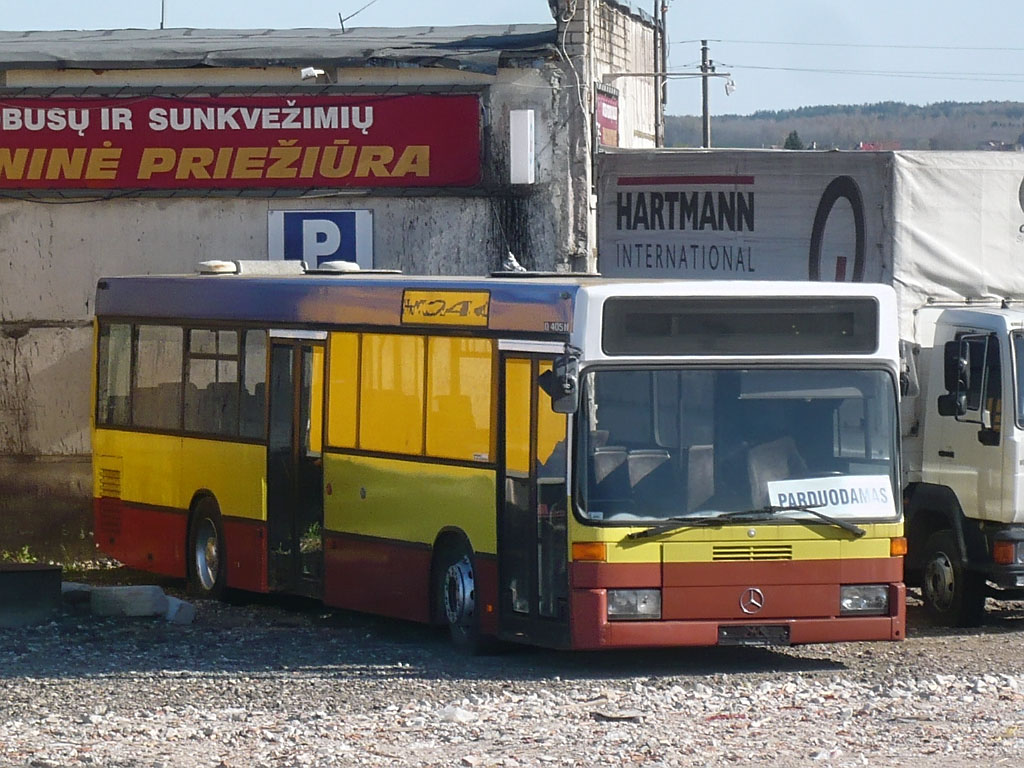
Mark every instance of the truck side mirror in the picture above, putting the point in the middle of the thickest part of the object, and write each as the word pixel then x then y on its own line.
pixel 952 404
pixel 957 359
pixel 957 375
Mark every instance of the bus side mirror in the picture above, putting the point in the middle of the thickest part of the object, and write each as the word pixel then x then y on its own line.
pixel 561 384
pixel 957 375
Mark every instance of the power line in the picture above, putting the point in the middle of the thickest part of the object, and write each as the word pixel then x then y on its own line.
pixel 989 49
pixel 991 77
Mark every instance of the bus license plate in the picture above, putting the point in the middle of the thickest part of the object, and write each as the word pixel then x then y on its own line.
pixel 754 634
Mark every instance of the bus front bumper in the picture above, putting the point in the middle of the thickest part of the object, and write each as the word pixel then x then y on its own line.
pixel 591 629
pixel 749 603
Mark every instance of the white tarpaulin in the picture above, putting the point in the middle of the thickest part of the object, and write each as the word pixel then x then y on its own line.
pixel 958 226
pixel 932 224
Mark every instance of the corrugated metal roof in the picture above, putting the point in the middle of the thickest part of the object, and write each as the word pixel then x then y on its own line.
pixel 473 48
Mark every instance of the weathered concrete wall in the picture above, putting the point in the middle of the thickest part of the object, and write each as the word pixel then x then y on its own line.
pixel 45 507
pixel 44 390
pixel 604 38
pixel 623 41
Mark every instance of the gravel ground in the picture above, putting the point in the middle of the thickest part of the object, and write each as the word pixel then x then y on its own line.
pixel 266 682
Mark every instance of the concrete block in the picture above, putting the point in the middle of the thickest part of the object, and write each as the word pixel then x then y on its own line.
pixel 75 594
pixel 179 611
pixel 142 600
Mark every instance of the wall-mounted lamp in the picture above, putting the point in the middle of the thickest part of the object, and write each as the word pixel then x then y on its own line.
pixel 521 148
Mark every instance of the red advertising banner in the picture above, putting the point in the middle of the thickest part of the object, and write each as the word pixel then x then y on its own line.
pixel 292 142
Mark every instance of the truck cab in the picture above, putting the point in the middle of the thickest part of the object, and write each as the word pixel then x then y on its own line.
pixel 963 435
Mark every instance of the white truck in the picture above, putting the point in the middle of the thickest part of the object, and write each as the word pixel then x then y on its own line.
pixel 946 230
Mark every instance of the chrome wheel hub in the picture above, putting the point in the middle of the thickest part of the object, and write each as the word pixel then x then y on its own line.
pixel 207 554
pixel 459 592
pixel 940 581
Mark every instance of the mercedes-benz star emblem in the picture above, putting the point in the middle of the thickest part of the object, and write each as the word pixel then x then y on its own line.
pixel 752 600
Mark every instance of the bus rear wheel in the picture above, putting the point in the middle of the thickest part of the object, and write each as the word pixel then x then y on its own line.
pixel 207 563
pixel 457 599
pixel 953 596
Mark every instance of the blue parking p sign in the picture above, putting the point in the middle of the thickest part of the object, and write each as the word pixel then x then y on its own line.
pixel 319 236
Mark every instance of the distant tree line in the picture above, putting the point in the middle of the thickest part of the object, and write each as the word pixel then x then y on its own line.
pixel 947 125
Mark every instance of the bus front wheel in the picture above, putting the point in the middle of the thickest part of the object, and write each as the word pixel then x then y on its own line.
pixel 206 557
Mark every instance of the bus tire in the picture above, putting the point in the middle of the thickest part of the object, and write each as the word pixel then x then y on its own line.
pixel 953 596
pixel 207 560
pixel 457 598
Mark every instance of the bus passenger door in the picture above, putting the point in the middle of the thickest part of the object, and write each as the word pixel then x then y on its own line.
pixel 532 509
pixel 295 509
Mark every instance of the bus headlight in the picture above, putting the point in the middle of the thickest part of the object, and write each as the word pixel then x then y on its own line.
pixel 634 604
pixel 864 599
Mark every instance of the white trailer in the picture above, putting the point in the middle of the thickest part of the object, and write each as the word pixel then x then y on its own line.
pixel 946 230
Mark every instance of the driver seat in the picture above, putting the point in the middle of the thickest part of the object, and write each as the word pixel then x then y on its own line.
pixel 774 460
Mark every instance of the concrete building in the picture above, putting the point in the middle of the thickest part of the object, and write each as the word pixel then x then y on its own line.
pixel 430 150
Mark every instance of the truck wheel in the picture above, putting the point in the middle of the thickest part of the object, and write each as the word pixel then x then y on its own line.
pixel 207 563
pixel 953 596
pixel 457 599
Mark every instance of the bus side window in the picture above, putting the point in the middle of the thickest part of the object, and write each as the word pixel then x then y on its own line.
pixel 313 422
pixel 156 396
pixel 551 453
pixel 114 364
pixel 459 392
pixel 211 394
pixel 342 389
pixel 253 406
pixel 552 506
pixel 391 393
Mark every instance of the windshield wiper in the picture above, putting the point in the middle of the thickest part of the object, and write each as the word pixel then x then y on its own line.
pixel 846 525
pixel 671 524
pixel 750 515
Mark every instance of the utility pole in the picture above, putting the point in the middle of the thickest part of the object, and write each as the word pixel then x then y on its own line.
pixel 658 22
pixel 707 68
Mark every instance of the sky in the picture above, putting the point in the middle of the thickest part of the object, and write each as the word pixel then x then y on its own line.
pixel 779 55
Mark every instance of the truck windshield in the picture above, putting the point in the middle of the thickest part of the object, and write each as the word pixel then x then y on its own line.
pixel 661 444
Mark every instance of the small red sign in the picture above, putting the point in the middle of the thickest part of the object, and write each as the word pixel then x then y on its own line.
pixel 608 119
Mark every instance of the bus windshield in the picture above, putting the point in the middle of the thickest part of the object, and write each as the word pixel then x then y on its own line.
pixel 665 444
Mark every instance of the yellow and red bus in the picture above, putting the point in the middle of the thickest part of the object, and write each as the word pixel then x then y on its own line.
pixel 568 461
